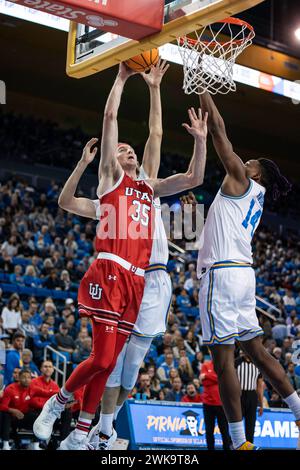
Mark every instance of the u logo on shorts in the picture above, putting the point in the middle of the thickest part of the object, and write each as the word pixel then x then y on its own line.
pixel 95 291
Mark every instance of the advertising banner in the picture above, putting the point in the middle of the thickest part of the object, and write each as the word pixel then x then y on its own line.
pixel 161 424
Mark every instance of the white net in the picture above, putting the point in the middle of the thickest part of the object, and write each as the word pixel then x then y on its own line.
pixel 208 59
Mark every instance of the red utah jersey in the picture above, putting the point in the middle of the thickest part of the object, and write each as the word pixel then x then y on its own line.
pixel 126 222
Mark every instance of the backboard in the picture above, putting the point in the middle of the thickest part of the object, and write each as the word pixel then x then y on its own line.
pixel 91 50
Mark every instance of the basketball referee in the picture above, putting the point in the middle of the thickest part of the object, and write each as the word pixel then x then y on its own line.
pixel 252 387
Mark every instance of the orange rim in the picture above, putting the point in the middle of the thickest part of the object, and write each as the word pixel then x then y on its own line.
pixel 231 20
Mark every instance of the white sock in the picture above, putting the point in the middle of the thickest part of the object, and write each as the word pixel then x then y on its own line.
pixel 117 409
pixel 293 402
pixel 63 396
pixel 106 424
pixel 83 426
pixel 237 433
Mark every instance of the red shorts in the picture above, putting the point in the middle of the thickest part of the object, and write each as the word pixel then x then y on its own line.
pixel 111 295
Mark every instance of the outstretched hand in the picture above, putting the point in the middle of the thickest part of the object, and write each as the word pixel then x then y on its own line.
pixel 125 71
pixel 157 71
pixel 198 127
pixel 189 199
pixel 88 154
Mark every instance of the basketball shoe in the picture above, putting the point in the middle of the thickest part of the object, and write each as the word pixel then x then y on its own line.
pixel 99 440
pixel 248 446
pixel 76 441
pixel 106 442
pixel 43 425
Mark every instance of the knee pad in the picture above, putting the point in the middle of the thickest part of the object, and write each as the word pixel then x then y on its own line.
pixel 115 378
pixel 136 351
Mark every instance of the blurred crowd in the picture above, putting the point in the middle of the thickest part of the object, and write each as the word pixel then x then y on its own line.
pixel 43 141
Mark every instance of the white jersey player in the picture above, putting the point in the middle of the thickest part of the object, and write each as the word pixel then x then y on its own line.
pixel 227 286
pixel 226 243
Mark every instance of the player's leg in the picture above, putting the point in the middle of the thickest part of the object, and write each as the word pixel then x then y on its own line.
pixel 230 390
pixel 274 372
pixel 104 341
pixel 119 386
pixel 109 400
pixel 223 426
pixel 250 417
pixel 209 421
pixel 91 398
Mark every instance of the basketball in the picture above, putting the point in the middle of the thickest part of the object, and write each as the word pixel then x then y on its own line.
pixel 143 62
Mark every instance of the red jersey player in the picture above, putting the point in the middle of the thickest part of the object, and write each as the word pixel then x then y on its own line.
pixel 111 291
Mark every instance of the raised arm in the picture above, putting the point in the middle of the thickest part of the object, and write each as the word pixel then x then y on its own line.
pixel 109 168
pixel 236 181
pixel 152 152
pixel 195 173
pixel 67 200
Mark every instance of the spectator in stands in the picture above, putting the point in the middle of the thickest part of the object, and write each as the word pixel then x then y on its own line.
pixel 53 281
pixel 9 247
pixel 197 384
pixel 17 277
pixel 279 331
pixel 163 371
pixel 185 370
pixel 42 388
pixel 166 341
pixel 49 309
pixel 29 329
pixel 64 341
pixel 288 299
pixel 212 407
pixel 184 301
pixel 144 391
pixel 197 363
pixel 155 382
pixel 28 363
pixel 35 317
pixel 82 352
pixel 69 303
pixel 191 396
pixel 277 353
pixel 30 277
pixel 40 341
pixel 192 282
pixel 191 343
pixel 65 281
pixel 293 378
pixel 15 374
pixel 47 267
pixel 13 356
pixel 15 408
pixel 176 392
pixel 72 330
pixel 11 315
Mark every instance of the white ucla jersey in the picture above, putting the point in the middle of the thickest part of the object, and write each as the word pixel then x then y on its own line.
pixel 160 249
pixel 229 228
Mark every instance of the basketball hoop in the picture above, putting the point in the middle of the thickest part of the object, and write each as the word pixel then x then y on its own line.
pixel 208 60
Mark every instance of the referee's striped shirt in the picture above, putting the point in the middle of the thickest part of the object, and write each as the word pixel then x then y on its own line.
pixel 248 374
